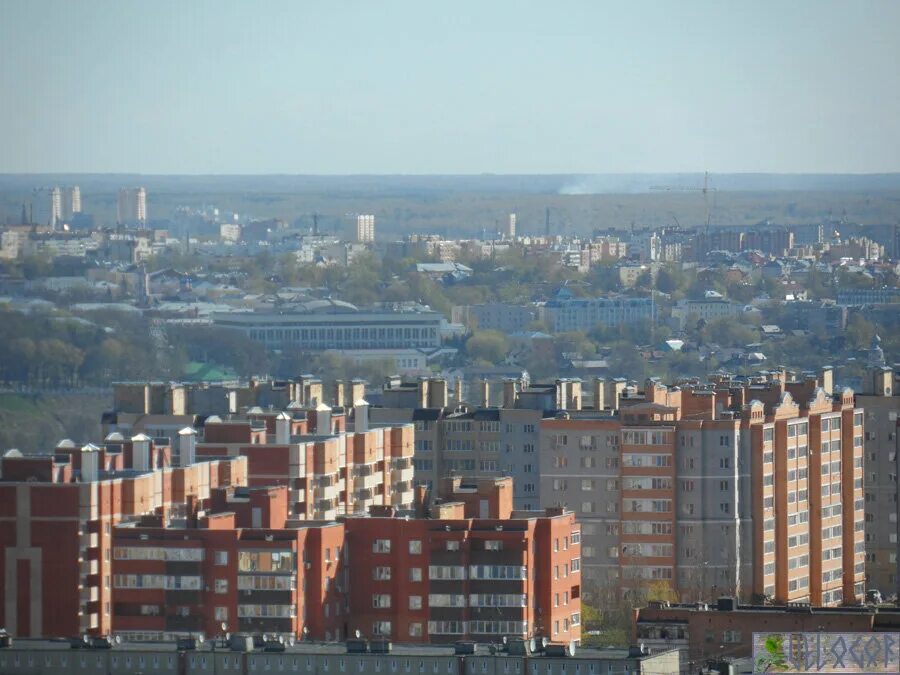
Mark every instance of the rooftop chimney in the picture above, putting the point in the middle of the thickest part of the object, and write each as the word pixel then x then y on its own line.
pixel 457 391
pixel 485 394
pixel 282 428
pixel 339 394
pixel 323 419
pixel 187 446
pixel 90 463
pixel 357 390
pixel 599 393
pixel 140 452
pixel 510 392
pixel 437 393
pixel 361 415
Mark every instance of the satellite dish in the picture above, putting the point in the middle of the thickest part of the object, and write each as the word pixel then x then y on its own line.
pixel 532 645
pixel 85 638
pixel 118 639
pixel 504 639
pixel 358 634
pixel 281 639
pixel 292 641
pixel 224 626
pixel 265 637
pixel 544 642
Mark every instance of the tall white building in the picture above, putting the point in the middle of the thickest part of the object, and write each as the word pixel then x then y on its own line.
pixel 71 202
pixel 132 206
pixel 46 206
pixel 365 228
pixel 511 226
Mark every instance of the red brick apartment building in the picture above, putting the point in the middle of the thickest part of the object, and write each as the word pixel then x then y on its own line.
pixel 467 567
pixel 330 467
pixel 750 487
pixel 57 516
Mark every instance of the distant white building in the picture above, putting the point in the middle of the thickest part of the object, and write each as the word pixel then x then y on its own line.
pixel 46 207
pixel 132 206
pixel 511 226
pixel 365 228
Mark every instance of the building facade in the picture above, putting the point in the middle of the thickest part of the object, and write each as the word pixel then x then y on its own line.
pixel 749 489
pixel 583 314
pixel 58 512
pixel 324 325
pixel 365 229
pixel 131 208
pixel 880 399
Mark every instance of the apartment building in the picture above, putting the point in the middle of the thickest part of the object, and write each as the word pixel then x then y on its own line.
pixel 582 314
pixel 239 566
pixel 500 316
pixel 461 565
pixel 751 488
pixel 57 514
pixel 880 399
pixel 474 569
pixel 472 439
pixel 131 207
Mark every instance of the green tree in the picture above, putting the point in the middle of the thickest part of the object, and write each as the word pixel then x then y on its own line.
pixel 489 345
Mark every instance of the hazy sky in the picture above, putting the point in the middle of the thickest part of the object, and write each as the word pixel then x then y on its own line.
pixel 451 87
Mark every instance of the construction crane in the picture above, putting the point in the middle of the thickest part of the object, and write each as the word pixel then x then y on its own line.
pixel 706 189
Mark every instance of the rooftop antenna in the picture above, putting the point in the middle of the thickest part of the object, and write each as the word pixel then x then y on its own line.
pixel 315 224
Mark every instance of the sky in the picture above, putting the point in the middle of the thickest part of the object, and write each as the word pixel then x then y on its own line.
pixel 469 87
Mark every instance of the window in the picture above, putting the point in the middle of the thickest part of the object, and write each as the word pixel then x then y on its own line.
pixel 381 628
pixel 221 557
pixel 724 461
pixel 415 547
pixel 731 636
pixel 381 573
pixel 221 614
pixel 415 602
pixel 493 545
pixel 381 546
pixel 453 545
pixel 221 585
pixel 381 600
pixel 415 630
pixel 415 574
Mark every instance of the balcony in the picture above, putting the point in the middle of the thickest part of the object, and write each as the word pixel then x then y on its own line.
pixel 89 540
pixel 401 463
pixel 90 594
pixel 89 567
pixel 398 475
pixel 89 621
pixel 368 481
pixel 326 504
pixel 362 470
pixel 364 494
pixel 398 498
pixel 298 495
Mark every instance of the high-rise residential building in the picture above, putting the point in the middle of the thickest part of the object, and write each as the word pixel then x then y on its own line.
pixel 60 510
pixel 333 461
pixel 746 488
pixel 477 436
pixel 510 232
pixel 880 399
pixel 132 206
pixel 365 228
pixel 71 202
pixel 46 207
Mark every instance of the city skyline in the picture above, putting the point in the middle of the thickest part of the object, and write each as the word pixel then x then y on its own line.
pixel 401 88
